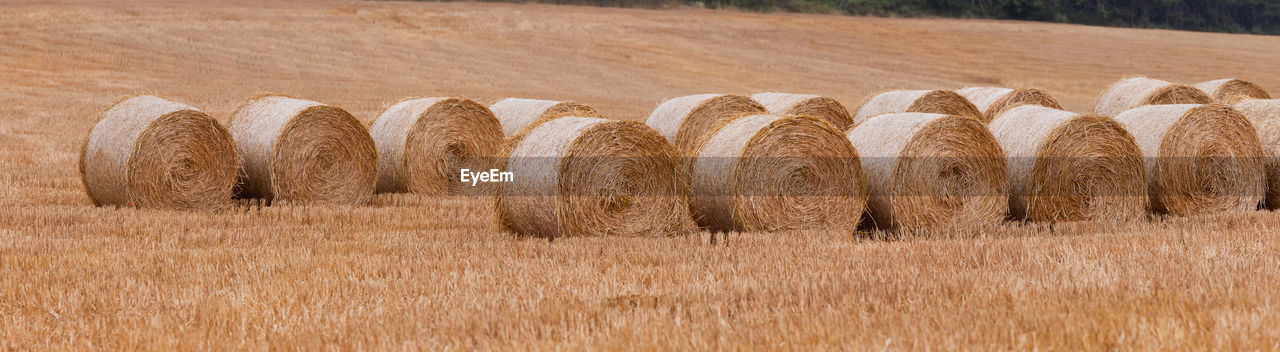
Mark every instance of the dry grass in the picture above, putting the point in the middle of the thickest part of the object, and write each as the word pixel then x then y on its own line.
pixel 414 272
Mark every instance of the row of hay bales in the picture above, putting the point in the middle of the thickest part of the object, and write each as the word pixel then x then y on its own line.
pixel 769 162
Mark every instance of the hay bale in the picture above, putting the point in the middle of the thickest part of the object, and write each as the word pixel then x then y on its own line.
pixel 301 151
pixel 582 176
pixel 929 171
pixel 1131 93
pixel 1231 90
pixel 768 173
pixel 823 108
pixel 516 114
pixel 423 144
pixel 1200 158
pixel 149 152
pixel 927 101
pixel 687 121
pixel 1264 114
pixel 992 101
pixel 1068 166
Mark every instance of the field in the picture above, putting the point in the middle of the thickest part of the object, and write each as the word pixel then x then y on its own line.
pixel 414 273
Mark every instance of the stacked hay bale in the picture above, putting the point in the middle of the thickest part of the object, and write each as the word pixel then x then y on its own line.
pixel 424 143
pixel 769 173
pixel 1134 92
pixel 687 121
pixel 1264 114
pixel 823 108
pixel 582 176
pixel 991 101
pixel 149 152
pixel 1068 166
pixel 1200 158
pixel 926 101
pixel 1231 90
pixel 927 171
pixel 516 114
pixel 302 152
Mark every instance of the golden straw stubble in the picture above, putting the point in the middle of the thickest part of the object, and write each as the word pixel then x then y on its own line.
pixel 1068 166
pixel 424 143
pixel 1264 114
pixel 991 101
pixel 149 152
pixel 517 114
pixel 1134 92
pixel 1231 90
pixel 303 152
pixel 582 176
pixel 1201 159
pixel 687 121
pixel 823 108
pixel 771 173
pixel 926 101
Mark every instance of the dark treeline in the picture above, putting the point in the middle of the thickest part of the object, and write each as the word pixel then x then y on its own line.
pixel 1235 16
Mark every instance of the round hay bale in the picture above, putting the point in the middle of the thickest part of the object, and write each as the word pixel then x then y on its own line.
pixel 1200 158
pixel 582 176
pixel 992 101
pixel 423 144
pixel 770 173
pixel 516 114
pixel 927 101
pixel 1231 90
pixel 303 152
pixel 1068 166
pixel 1264 114
pixel 149 152
pixel 1131 93
pixel 687 121
pixel 823 108
pixel 929 171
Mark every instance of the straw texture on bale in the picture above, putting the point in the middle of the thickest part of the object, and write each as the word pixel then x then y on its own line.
pixel 823 108
pixel 423 144
pixel 516 114
pixel 1068 166
pixel 992 101
pixel 1134 92
pixel 927 101
pixel 1231 90
pixel 1200 158
pixel 302 152
pixel 149 152
pixel 1265 116
pixel 928 171
pixel 581 176
pixel 768 173
pixel 687 121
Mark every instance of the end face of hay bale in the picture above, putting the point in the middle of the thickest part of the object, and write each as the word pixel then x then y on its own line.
pixel 424 143
pixel 153 153
pixel 922 101
pixel 928 171
pixel 580 176
pixel 1067 166
pixel 769 173
pixel 823 108
pixel 303 152
pixel 1264 114
pixel 991 101
pixel 1201 158
pixel 1230 90
pixel 1139 91
pixel 688 121
pixel 516 114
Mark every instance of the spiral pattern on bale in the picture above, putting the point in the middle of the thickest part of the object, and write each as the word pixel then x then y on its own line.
pixel 1134 92
pixel 149 152
pixel 770 173
pixel 1264 114
pixel 688 121
pixel 424 143
pixel 517 114
pixel 1068 166
pixel 303 152
pixel 582 176
pixel 823 108
pixel 1231 90
pixel 1200 159
pixel 928 171
pixel 926 101
pixel 991 101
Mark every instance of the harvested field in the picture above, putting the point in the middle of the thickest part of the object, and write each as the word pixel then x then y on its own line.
pixel 415 272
